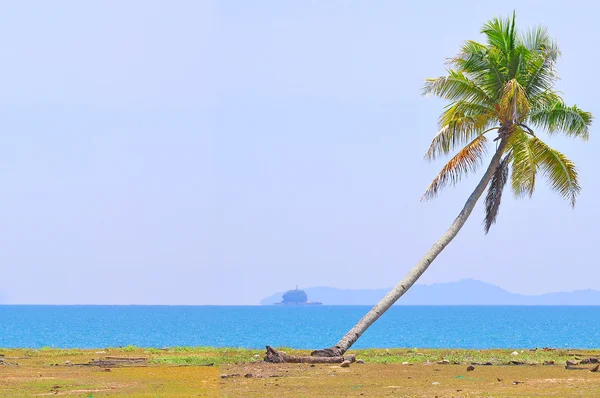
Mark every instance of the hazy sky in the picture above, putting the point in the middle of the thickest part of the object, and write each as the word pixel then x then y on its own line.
pixel 197 152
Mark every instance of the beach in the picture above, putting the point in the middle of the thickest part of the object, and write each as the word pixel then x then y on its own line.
pixel 233 372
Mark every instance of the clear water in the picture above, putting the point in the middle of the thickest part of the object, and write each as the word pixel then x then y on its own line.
pixel 298 327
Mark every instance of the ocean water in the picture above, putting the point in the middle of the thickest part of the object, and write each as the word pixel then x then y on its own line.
pixel 298 327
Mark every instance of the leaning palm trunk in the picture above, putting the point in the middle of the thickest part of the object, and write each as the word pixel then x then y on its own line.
pixel 415 273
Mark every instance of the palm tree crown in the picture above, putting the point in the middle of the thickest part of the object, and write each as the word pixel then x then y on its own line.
pixel 505 86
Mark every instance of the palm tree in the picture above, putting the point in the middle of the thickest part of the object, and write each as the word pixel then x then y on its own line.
pixel 505 88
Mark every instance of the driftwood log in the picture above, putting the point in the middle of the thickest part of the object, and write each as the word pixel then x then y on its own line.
pixel 114 362
pixel 571 367
pixel 275 356
pixel 127 359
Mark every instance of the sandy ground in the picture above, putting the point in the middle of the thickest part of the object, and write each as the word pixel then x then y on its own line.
pixel 396 380
pixel 241 373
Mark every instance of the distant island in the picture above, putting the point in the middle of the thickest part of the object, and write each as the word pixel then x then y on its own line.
pixel 463 292
pixel 295 297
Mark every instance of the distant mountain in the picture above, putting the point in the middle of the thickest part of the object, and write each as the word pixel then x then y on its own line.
pixel 463 292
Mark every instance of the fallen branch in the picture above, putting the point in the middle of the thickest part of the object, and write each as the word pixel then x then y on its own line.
pixel 570 367
pixel 99 362
pixel 114 362
pixel 275 356
pixel 127 359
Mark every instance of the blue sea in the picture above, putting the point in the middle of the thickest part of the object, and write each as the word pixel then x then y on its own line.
pixel 298 327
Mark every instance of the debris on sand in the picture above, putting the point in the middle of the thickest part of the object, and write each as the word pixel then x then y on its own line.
pixel 570 367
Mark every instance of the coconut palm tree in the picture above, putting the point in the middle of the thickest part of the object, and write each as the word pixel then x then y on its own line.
pixel 501 92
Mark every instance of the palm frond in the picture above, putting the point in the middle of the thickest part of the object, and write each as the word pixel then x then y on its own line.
pixel 456 86
pixel 472 59
pixel 518 58
pixel 472 54
pixel 544 99
pixel 543 53
pixel 461 121
pixel 496 32
pixel 494 193
pixel 524 166
pixel 514 105
pixel 512 32
pixel 538 39
pixel 558 169
pixel 482 65
pixel 540 75
pixel 465 161
pixel 560 118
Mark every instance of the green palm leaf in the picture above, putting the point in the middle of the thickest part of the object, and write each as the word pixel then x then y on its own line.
pixel 500 34
pixel 558 169
pixel 524 166
pixel 456 86
pixel 558 117
pixel 538 39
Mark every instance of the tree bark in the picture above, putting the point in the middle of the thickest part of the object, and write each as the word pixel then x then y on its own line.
pixel 275 356
pixel 402 287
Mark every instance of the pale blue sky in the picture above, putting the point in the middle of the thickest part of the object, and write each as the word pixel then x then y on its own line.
pixel 198 152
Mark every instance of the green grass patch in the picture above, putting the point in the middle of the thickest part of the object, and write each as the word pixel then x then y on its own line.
pixel 220 356
pixel 204 356
pixel 497 357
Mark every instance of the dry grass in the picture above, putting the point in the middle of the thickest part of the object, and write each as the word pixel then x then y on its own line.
pixel 383 374
pixel 37 375
pixel 379 380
